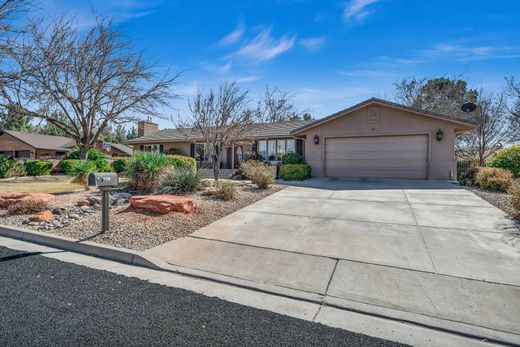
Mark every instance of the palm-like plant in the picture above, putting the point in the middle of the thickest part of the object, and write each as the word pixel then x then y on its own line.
pixel 144 168
pixel 80 170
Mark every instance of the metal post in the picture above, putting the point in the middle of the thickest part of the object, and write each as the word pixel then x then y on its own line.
pixel 105 212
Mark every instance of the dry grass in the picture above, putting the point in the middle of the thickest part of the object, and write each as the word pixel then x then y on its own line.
pixel 39 184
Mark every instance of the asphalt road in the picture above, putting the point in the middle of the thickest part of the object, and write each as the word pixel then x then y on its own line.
pixel 45 302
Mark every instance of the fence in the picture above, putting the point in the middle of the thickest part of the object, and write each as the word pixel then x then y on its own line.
pixel 465 165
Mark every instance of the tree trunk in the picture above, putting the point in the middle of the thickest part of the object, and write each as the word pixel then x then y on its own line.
pixel 83 151
pixel 216 167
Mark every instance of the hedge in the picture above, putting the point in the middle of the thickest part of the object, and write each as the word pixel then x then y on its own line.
pixel 295 172
pixel 37 167
pixel 102 165
pixel 507 158
pixel 6 166
pixel 119 164
pixel 292 158
pixel 67 164
pixel 181 161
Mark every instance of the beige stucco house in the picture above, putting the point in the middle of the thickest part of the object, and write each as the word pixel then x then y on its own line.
pixel 373 139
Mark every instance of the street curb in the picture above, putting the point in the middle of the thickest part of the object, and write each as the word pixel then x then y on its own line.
pixel 131 257
pixel 121 255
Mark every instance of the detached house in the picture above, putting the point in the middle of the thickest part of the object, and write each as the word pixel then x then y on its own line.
pixel 373 139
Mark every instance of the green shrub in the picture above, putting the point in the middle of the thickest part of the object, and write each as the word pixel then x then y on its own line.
pixel 259 173
pixel 177 181
pixel 92 154
pixel 507 158
pixel 494 179
pixel 18 170
pixel 180 161
pixel 119 165
pixel 6 166
pixel 67 164
pixel 81 169
pixel 468 177
pixel 37 167
pixel 102 165
pixel 292 158
pixel 225 190
pixel 27 207
pixel 295 172
pixel 144 169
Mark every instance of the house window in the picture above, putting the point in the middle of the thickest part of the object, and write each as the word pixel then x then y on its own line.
pixel 262 149
pixel 22 155
pixel 151 148
pixel 7 154
pixel 271 147
pixel 200 152
pixel 280 148
pixel 291 146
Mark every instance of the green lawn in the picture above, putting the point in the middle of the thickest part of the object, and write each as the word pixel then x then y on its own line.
pixel 38 184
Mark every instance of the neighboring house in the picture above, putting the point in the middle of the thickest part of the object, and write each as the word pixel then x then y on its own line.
pixel 373 139
pixel 20 145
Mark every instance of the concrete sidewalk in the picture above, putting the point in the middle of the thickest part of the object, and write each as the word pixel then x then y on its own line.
pixel 421 251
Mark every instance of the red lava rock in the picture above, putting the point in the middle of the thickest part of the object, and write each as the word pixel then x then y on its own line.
pixel 41 216
pixel 11 198
pixel 83 203
pixel 163 204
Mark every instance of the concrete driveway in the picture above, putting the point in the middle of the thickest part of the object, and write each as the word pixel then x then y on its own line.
pixel 424 251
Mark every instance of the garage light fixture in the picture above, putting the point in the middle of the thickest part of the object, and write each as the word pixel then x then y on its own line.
pixel 440 134
pixel 316 139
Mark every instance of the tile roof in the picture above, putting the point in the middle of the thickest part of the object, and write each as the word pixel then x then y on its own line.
pixel 40 141
pixel 261 130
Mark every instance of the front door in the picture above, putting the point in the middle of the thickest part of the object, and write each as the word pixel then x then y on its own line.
pixel 238 155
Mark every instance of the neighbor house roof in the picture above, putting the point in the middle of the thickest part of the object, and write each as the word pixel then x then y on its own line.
pixel 261 130
pixel 123 148
pixel 451 118
pixel 40 141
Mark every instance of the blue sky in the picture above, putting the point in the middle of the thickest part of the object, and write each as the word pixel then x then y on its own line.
pixel 328 54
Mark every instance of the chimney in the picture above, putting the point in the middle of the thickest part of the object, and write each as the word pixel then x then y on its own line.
pixel 146 127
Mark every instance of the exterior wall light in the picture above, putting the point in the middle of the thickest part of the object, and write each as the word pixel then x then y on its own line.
pixel 316 139
pixel 440 134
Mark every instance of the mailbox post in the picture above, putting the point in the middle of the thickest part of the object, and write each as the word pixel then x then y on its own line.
pixel 105 182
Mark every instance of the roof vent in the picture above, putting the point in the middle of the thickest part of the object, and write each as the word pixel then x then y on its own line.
pixel 373 115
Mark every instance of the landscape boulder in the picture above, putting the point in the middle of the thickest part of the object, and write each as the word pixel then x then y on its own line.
pixel 41 216
pixel 163 204
pixel 84 203
pixel 11 198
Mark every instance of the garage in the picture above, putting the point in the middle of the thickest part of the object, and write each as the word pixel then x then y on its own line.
pixel 402 156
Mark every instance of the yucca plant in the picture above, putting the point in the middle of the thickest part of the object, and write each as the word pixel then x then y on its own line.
pixel 177 181
pixel 144 169
pixel 80 170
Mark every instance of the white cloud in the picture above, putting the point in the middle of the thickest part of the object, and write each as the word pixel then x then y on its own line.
pixel 458 51
pixel 245 79
pixel 313 43
pixel 357 9
pixel 233 36
pixel 365 73
pixel 218 69
pixel 265 47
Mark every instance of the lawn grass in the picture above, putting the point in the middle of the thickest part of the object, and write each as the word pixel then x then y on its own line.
pixel 39 184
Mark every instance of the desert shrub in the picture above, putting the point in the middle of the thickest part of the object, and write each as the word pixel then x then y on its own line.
pixel 119 165
pixel 67 164
pixel 144 169
pixel 27 207
pixel 507 158
pixel 468 177
pixel 80 170
pixel 292 158
pixel 224 190
pixel 259 173
pixel 18 170
pixel 177 181
pixel 494 179
pixel 515 196
pixel 180 161
pixel 37 167
pixel 6 166
pixel 295 172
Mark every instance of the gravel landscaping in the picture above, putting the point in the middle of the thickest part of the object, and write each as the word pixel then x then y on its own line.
pixel 497 199
pixel 135 229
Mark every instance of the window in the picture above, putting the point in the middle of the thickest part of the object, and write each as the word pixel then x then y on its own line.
pixel 262 149
pixel 291 146
pixel 7 154
pixel 22 154
pixel 151 148
pixel 280 148
pixel 271 144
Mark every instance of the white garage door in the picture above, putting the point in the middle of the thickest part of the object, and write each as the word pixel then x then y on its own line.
pixel 377 157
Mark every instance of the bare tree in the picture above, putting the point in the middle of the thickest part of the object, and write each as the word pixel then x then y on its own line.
pixel 277 106
pixel 513 91
pixel 95 79
pixel 493 128
pixel 219 118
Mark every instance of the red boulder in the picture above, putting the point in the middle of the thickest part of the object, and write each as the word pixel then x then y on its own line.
pixel 162 204
pixel 11 198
